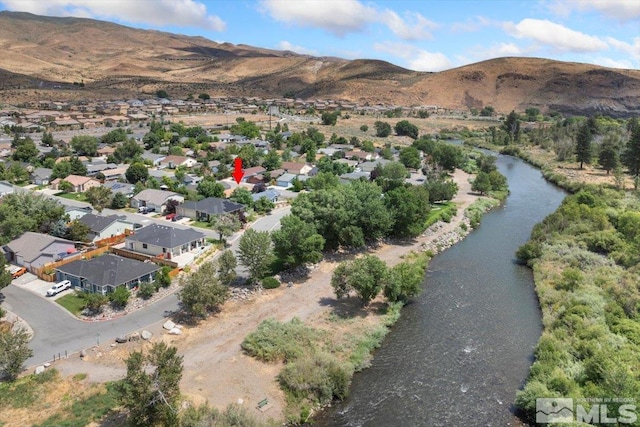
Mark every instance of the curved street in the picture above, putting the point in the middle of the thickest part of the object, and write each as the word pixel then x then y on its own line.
pixel 56 330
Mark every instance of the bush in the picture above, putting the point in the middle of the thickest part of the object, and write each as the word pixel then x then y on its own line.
pixel 120 297
pixel 270 283
pixel 273 340
pixel 319 377
pixel 147 290
pixel 93 301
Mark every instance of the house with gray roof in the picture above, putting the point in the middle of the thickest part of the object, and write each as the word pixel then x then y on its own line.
pixel 105 273
pixel 41 176
pixel 155 199
pixel 33 250
pixel 102 227
pixel 76 212
pixel 271 195
pixel 285 180
pixel 155 159
pixel 205 209
pixel 165 241
pixel 120 187
pixel 6 188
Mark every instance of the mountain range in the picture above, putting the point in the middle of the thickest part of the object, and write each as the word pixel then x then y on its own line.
pixel 44 56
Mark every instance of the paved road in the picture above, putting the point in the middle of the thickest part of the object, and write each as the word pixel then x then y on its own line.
pixel 57 331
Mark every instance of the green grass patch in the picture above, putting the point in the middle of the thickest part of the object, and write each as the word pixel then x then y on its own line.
pixel 83 412
pixel 273 340
pixel 25 391
pixel 200 224
pixel 478 208
pixel 79 197
pixel 441 212
pixel 79 377
pixel 72 302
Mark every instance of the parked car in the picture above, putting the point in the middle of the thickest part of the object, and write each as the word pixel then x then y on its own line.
pixel 171 216
pixel 142 210
pixel 59 287
pixel 16 271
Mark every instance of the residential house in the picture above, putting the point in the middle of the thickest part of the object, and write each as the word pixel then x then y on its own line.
pixel 296 168
pixel 173 162
pixel 345 178
pixel 361 156
pixel 41 176
pixel 252 172
pixel 163 240
pixel 271 195
pixel 115 173
pixel 102 227
pixel 6 188
pixel 370 166
pixel 75 212
pixel 33 250
pixel 205 209
pixel 80 183
pixel 155 159
pixel 285 180
pixel 155 199
pixel 105 273
pixel 120 187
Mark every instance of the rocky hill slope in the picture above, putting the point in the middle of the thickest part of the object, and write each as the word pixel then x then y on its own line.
pixel 45 54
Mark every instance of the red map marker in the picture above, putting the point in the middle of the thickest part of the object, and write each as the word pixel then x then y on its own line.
pixel 237 170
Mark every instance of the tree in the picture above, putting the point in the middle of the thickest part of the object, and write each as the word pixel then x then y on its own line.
pixel 119 201
pixel 137 172
pixel 365 276
pixel 13 352
pixel 161 93
pixel 5 275
pixel 204 96
pixel 631 155
pixel 65 186
pixel 99 197
pixel 263 205
pixel 297 242
pixel 383 129
pixel 202 291
pixel 272 160
pixel 208 187
pixel 77 167
pixel 61 170
pixel 255 253
pixel 246 128
pixel 128 151
pixel 487 111
pixel 116 135
pixel 47 139
pixel 225 225
pixel 94 302
pixel 243 196
pixel 410 207
pixel 26 151
pixel 404 281
pixel 390 176
pixel 512 127
pixel 608 157
pixel 85 145
pixel 405 128
pixel 482 183
pixel 151 389
pixel 440 189
pixel 410 157
pixel 330 118
pixel 583 144
pixel 227 264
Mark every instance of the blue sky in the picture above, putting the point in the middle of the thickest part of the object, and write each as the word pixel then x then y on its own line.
pixel 423 35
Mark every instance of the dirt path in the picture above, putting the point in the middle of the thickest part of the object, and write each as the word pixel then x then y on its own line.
pixel 216 370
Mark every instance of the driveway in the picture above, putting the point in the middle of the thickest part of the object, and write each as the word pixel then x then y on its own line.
pixel 56 331
pixel 30 282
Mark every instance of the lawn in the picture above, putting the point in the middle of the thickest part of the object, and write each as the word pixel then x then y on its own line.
pixel 441 212
pixel 73 196
pixel 72 302
pixel 200 224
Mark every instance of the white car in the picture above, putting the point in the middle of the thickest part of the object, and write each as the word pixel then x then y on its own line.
pixel 59 287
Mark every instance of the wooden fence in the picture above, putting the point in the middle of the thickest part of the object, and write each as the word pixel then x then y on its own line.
pixel 142 257
pixel 115 240
pixel 47 273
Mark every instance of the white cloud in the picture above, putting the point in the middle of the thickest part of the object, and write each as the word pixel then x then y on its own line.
pixel 414 27
pixel 338 17
pixel 285 45
pixel 621 10
pixel 347 16
pixel 629 49
pixel 471 25
pixel 183 13
pixel 416 59
pixel 554 35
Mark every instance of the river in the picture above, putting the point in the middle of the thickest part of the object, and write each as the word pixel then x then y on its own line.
pixel 460 352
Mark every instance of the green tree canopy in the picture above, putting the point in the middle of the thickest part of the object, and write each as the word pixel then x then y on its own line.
pixel 256 253
pixel 137 172
pixel 99 197
pixel 383 129
pixel 202 291
pixel 405 128
pixel 297 242
pixel 85 145
pixel 410 157
pixel 365 276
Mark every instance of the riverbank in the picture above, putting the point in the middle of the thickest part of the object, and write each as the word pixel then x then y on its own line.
pixel 215 368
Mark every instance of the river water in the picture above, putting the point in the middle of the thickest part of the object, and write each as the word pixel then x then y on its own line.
pixel 460 352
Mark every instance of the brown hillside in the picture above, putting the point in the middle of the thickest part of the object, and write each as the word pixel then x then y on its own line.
pixel 47 54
